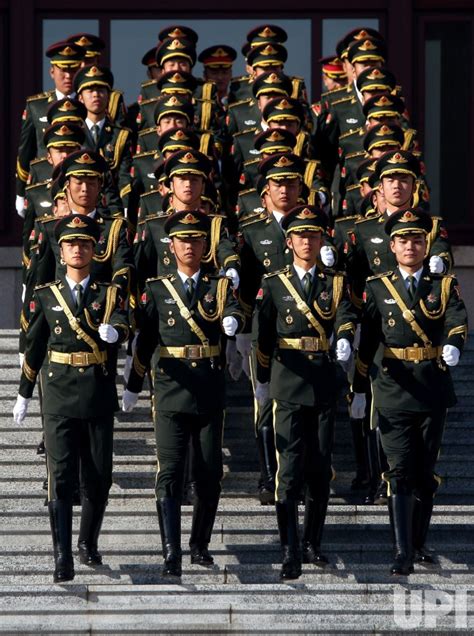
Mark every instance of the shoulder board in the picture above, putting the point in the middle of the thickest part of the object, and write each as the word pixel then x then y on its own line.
pixel 148 83
pixel 340 101
pixel 277 272
pixel 44 95
pixel 144 154
pixel 157 215
pixel 37 185
pixel 50 284
pixel 250 162
pixel 333 91
pixel 382 275
pixel 40 160
pixel 353 155
pixel 150 280
pixel 150 192
pixel 333 272
pixel 149 101
pixel 244 132
pixel 253 218
pixel 297 77
pixel 437 218
pixel 239 78
pixel 347 218
pixel 46 218
pixel 241 101
pixel 243 192
pixel 371 218
pixel 354 131
pixel 146 131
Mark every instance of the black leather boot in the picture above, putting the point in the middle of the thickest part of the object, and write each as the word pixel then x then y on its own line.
pixel 287 519
pixel 60 516
pixel 314 518
pixel 361 479
pixel 91 523
pixel 421 523
pixel 267 459
pixel 169 518
pixel 204 515
pixel 402 508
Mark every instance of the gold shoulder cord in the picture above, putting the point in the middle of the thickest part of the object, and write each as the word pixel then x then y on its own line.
pixel 406 313
pixel 303 307
pixel 113 104
pixel 119 146
pixel 112 242
pixel 185 313
pixel 221 297
pixel 309 172
pixel 437 313
pixel 300 139
pixel 337 289
pixel 215 235
pixel 432 235
pixel 73 322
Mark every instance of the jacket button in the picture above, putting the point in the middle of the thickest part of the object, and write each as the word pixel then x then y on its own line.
pixel 81 370
pixel 194 364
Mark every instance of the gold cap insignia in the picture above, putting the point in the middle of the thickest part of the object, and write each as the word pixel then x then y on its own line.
pixel 179 136
pixel 66 52
pixel 267 33
pixel 177 78
pixel 268 50
pixel 189 158
pixel 385 130
pixel 189 219
pixel 177 33
pixel 283 162
pixel 367 45
pixel 173 101
pixel 275 136
pixel 76 223
pixel 64 130
pixel 67 106
pixel 94 72
pixel 284 105
pixel 376 74
pixel 383 101
pixel 85 159
pixel 175 45
pixel 397 158
pixel 219 53
pixel 362 35
pixel 272 79
pixel 83 41
pixel 306 214
pixel 408 217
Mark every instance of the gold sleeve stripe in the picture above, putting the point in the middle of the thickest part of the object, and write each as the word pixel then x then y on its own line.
pixel 21 173
pixel 139 368
pixel 125 190
pixel 28 371
pixel 461 330
pixel 347 326
pixel 23 321
pixel 362 368
pixel 231 259
pixel 262 359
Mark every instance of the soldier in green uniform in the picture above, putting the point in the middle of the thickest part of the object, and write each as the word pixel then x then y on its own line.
pixel 185 314
pixel 266 143
pixel 421 323
pixel 93 85
pixel 299 309
pixel 217 61
pixel 65 60
pixel 93 47
pixel 76 324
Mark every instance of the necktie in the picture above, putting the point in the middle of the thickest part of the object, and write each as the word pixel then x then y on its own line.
pixel 307 280
pixel 189 288
pixel 95 133
pixel 411 287
pixel 78 290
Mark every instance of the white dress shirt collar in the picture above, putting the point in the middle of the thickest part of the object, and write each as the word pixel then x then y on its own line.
pixel 302 272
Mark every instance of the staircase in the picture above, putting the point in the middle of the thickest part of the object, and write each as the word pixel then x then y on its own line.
pixel 242 592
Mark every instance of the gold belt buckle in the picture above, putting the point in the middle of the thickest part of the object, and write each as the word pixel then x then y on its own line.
pixel 309 344
pixel 411 354
pixel 193 352
pixel 79 359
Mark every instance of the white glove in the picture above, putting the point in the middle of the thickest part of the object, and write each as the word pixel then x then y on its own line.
pixel 234 276
pixel 327 256
pixel 21 356
pixel 129 401
pixel 127 368
pixel 20 206
pixel 108 333
pixel 451 355
pixel 436 265
pixel 343 350
pixel 262 393
pixel 20 409
pixel 322 198
pixel 23 292
pixel 229 324
pixel 234 360
pixel 357 407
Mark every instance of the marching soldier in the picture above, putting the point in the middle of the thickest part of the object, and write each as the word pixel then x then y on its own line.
pixel 185 314
pixel 421 322
pixel 94 84
pixel 217 61
pixel 65 60
pixel 299 309
pixel 77 323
